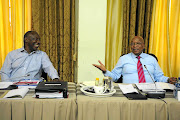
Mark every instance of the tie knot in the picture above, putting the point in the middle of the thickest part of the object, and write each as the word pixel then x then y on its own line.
pixel 138 57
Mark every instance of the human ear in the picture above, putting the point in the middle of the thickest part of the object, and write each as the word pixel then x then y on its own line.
pixel 26 40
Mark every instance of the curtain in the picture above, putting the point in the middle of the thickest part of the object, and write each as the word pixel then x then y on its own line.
pixel 126 19
pixel 15 20
pixel 54 21
pixel 165 35
pixel 136 22
pixel 114 30
pixel 174 37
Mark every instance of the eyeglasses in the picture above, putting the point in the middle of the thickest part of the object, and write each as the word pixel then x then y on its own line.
pixel 138 43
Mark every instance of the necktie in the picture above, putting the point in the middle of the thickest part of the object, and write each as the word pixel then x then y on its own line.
pixel 140 71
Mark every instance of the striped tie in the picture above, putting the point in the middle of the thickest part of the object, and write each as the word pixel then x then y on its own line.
pixel 140 71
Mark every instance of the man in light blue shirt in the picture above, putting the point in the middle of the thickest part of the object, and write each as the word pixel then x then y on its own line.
pixel 27 62
pixel 127 66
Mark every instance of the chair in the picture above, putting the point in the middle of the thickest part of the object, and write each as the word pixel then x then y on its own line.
pixel 121 78
pixel 44 75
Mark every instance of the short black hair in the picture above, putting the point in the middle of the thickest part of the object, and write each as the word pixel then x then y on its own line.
pixel 29 33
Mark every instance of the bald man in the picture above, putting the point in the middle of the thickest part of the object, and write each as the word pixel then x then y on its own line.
pixel 127 66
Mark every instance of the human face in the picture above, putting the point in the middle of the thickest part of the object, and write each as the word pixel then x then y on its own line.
pixel 33 42
pixel 137 45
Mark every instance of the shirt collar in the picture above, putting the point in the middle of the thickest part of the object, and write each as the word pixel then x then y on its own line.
pixel 23 50
pixel 142 55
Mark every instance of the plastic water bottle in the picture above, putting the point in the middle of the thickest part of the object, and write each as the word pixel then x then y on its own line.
pixel 97 82
pixel 177 90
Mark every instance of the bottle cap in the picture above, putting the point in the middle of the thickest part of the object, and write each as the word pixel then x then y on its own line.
pixel 97 78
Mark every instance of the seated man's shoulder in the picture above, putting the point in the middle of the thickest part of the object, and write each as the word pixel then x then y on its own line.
pixel 151 56
pixel 123 56
pixel 14 52
pixel 42 52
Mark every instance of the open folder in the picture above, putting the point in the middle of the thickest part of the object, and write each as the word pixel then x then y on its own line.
pixel 131 93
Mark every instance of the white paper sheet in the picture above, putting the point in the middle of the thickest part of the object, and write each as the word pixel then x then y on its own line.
pixel 4 85
pixel 151 86
pixel 127 88
pixel 16 93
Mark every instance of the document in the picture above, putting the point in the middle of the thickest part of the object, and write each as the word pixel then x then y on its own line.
pixel 151 86
pixel 4 85
pixel 127 88
pixel 16 93
pixel 27 83
pixel 164 85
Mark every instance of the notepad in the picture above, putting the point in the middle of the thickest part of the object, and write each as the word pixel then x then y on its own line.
pixel 127 88
pixel 16 93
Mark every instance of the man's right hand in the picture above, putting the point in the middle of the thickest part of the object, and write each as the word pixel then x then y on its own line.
pixel 101 66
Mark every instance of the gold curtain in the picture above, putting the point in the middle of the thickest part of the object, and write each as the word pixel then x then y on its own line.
pixel 136 21
pixel 114 28
pixel 126 19
pixel 15 20
pixel 165 35
pixel 174 37
pixel 54 21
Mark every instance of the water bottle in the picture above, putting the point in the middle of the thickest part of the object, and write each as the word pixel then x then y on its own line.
pixel 177 90
pixel 97 82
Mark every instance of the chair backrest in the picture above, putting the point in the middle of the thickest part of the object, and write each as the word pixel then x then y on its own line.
pixel 153 56
pixel 121 78
pixel 44 75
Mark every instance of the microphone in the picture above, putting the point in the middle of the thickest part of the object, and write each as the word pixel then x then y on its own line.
pixel 17 77
pixel 157 93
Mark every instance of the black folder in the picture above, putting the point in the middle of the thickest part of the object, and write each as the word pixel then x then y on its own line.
pixel 135 96
pixel 52 86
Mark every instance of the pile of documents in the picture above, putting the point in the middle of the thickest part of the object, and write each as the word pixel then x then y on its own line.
pixel 58 95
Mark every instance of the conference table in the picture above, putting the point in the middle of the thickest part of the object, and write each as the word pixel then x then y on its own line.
pixel 30 108
pixel 118 107
pixel 81 107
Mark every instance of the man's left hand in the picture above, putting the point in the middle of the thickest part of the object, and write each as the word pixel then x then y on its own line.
pixel 172 80
pixel 56 79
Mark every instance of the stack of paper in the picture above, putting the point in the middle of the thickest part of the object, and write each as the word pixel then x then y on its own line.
pixel 49 95
pixel 27 83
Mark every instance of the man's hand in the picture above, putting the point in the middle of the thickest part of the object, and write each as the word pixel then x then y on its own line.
pixel 56 79
pixel 172 80
pixel 101 66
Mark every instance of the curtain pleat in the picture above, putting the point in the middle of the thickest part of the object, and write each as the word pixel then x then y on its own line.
pixel 114 30
pixel 136 21
pixel 54 21
pixel 159 35
pixel 174 36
